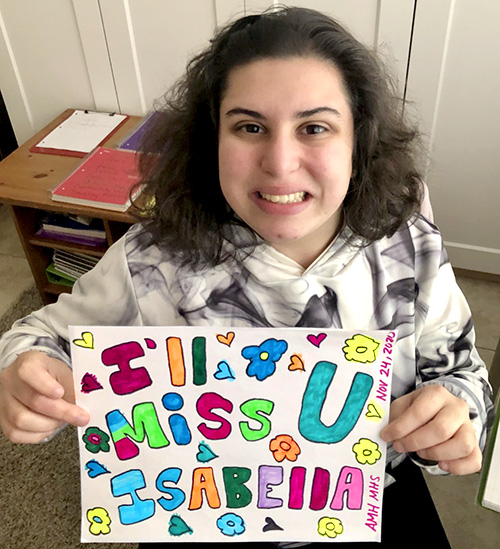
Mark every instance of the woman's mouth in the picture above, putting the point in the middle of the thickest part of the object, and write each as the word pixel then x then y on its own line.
pixel 284 198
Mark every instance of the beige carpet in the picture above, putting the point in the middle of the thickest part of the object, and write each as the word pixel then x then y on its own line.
pixel 40 485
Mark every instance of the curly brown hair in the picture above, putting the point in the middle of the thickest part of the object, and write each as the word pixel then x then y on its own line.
pixel 179 160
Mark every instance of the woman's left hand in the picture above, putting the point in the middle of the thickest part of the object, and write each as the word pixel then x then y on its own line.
pixel 435 423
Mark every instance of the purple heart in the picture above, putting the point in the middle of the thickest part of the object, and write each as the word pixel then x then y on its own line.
pixel 316 340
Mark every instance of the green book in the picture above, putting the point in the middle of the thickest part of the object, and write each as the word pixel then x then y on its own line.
pixel 55 276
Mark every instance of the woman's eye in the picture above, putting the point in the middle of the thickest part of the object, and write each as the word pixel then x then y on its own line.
pixel 313 129
pixel 250 128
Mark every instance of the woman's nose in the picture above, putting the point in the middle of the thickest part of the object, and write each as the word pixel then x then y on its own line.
pixel 280 155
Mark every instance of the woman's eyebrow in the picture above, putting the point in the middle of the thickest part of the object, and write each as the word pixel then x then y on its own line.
pixel 247 112
pixel 312 112
pixel 300 114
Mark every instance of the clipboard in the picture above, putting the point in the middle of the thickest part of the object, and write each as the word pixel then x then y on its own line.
pixel 80 133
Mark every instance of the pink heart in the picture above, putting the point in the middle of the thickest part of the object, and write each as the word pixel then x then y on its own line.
pixel 316 340
pixel 90 383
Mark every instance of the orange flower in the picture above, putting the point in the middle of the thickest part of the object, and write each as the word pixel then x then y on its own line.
pixel 283 446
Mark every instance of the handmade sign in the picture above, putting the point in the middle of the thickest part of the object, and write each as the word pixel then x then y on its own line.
pixel 244 434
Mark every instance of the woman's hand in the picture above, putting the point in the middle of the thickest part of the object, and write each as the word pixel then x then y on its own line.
pixel 435 424
pixel 36 397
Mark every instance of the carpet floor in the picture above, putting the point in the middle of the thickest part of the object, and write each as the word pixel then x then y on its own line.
pixel 40 484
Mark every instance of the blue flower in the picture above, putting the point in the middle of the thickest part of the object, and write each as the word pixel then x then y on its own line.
pixel 231 524
pixel 263 357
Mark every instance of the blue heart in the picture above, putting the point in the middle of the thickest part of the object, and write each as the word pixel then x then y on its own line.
pixel 95 469
pixel 224 371
pixel 205 453
pixel 177 526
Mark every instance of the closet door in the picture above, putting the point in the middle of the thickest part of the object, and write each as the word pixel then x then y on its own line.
pixel 42 63
pixel 384 25
pixel 454 82
pixel 150 42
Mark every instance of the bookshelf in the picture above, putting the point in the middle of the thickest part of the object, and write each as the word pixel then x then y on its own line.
pixel 26 179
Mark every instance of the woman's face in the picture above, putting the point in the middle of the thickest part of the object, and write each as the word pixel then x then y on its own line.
pixel 285 150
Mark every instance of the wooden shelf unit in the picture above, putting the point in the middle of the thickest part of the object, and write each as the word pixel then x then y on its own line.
pixel 26 180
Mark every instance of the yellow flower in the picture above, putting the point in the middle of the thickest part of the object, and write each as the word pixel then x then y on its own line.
pixel 283 446
pixel 329 526
pixel 99 521
pixel 361 348
pixel 366 451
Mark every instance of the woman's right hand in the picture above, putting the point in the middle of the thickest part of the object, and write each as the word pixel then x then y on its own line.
pixel 37 397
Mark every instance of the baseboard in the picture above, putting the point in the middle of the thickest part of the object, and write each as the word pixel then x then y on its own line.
pixel 474 258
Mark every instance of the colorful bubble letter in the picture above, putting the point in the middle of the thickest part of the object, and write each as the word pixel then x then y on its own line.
pixel 311 426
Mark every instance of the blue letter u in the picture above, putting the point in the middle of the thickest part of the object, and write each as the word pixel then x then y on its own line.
pixel 310 425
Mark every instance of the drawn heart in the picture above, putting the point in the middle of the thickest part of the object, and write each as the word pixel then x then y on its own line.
pixel 177 526
pixel 373 411
pixel 270 525
pixel 227 339
pixel 316 340
pixel 224 371
pixel 87 341
pixel 95 469
pixel 89 383
pixel 205 453
pixel 296 363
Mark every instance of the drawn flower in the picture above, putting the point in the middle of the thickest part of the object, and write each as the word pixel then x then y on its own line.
pixel 361 348
pixel 329 526
pixel 231 524
pixel 99 521
pixel 284 447
pixel 366 451
pixel 96 440
pixel 263 357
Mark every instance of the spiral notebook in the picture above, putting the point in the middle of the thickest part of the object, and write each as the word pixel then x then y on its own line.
pixel 103 180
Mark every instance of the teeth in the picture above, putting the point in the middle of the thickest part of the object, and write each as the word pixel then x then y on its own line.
pixel 284 198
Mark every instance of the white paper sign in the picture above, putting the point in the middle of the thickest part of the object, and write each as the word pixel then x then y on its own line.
pixel 244 434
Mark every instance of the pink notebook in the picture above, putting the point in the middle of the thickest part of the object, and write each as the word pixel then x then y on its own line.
pixel 103 180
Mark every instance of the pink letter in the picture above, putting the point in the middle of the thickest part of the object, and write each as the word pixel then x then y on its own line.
pixel 127 380
pixel 350 481
pixel 204 407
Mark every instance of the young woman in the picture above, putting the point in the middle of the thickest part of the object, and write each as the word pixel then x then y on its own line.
pixel 286 194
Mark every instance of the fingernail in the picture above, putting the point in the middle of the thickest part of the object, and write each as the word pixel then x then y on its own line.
pixel 443 466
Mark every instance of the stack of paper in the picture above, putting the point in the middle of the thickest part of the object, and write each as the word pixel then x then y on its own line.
pixel 74 264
